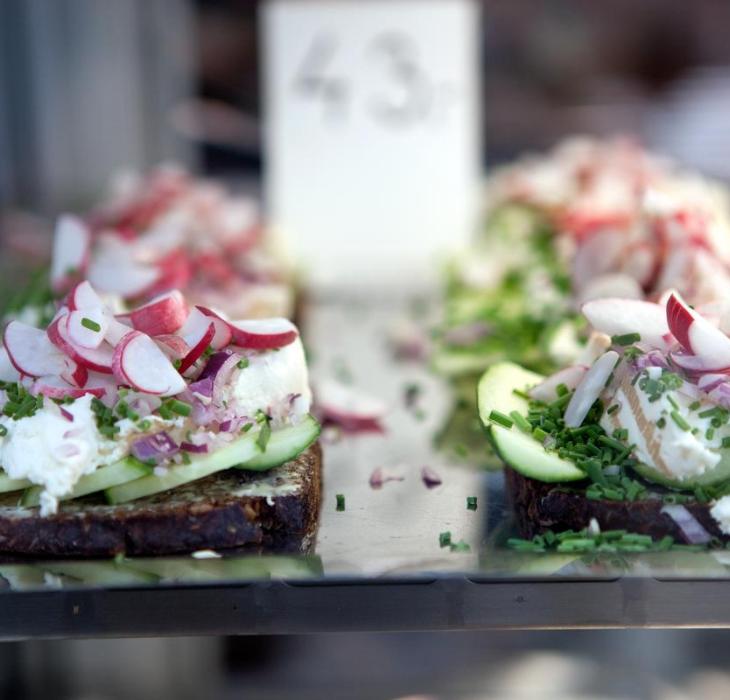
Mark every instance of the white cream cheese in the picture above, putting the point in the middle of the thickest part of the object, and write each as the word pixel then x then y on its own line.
pixel 274 382
pixel 54 452
pixel 721 512
pixel 677 453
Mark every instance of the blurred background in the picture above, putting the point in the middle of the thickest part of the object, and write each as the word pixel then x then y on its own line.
pixel 91 86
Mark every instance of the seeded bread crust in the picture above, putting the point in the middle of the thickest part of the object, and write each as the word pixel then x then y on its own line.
pixel 277 509
pixel 539 506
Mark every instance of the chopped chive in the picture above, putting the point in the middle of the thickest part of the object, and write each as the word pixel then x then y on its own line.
pixel 501 419
pixel 444 539
pixel 186 458
pixel 471 502
pixel 521 394
pixel 625 339
pixel 694 405
pixel 520 421
pixel 242 363
pixel 682 424
pixel 707 413
pixel 710 433
pixel 661 422
pixel 340 501
pixel 144 425
pixel 539 434
pixel 726 442
pixel 671 400
pixel 610 442
pixel 459 546
pixel 165 412
pixel 3 431
pixel 177 364
pixel 246 427
pixel 612 409
pixel 90 324
pixel 561 390
pixel 180 407
pixel 262 440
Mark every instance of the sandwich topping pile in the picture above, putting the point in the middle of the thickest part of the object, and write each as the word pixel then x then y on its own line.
pixel 592 219
pixel 138 403
pixel 637 434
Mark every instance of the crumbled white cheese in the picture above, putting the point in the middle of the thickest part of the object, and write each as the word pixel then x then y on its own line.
pixel 721 512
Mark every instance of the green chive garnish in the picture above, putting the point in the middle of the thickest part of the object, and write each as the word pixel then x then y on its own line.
pixel 726 442
pixel 340 501
pixel 675 405
pixel 460 546
pixel 625 339
pixel 242 363
pixel 710 433
pixel 262 440
pixel 520 421
pixel 186 458
pixel 91 325
pixel 444 539
pixel 501 419
pixel 694 405
pixel 246 427
pixel 661 422
pixel 180 407
pixel 681 422
pixel 471 502
pixel 612 409
pixel 3 431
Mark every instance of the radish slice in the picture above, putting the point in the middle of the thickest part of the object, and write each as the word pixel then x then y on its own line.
pixel 114 269
pixel 263 334
pixel 141 364
pixel 621 316
pixel 697 335
pixel 173 346
pixel 198 349
pixel 8 372
pixel 163 315
pixel 116 331
pixel 83 296
pixel 223 333
pixel 590 388
pixel 75 374
pixel 691 529
pixel 708 382
pixel 173 272
pixel 71 245
pixel 31 352
pixel 88 328
pixel 99 359
pixel 614 285
pixel 195 327
pixel 349 408
pixel 546 390
pixel 57 388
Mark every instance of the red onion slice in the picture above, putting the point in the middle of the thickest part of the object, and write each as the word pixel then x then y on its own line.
pixel 196 449
pixel 690 527
pixel 157 447
pixel 379 477
pixel 430 478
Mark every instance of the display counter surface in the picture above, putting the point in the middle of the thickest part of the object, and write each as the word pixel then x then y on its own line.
pixel 379 564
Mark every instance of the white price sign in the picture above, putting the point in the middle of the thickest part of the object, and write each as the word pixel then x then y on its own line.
pixel 372 134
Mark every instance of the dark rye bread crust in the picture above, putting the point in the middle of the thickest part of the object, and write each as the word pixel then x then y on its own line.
pixel 539 506
pixel 226 510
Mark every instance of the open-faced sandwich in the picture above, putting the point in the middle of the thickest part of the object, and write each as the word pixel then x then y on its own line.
pixel 634 439
pixel 168 428
pixel 591 219
pixel 169 231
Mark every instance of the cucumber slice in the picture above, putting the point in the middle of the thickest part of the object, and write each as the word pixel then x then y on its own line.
pixel 7 484
pixel 496 389
pixel 528 457
pixel 120 472
pixel 100 572
pixel 285 444
pixel 242 450
pixel 717 475
pixel 519 451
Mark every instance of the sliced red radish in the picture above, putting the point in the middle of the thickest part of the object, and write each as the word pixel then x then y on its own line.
pixel 616 285
pixel 546 390
pixel 8 371
pixel 116 331
pixel 263 334
pixel 640 263
pixel 694 364
pixel 71 245
pixel 56 388
pixel 697 335
pixel 173 272
pixel 99 359
pixel 173 346
pixel 622 316
pixel 88 328
pixel 590 388
pixel 349 408
pixel 165 314
pixel 83 296
pixel 223 333
pixel 708 382
pixel 75 374
pixel 31 352
pixel 198 349
pixel 114 269
pixel 141 364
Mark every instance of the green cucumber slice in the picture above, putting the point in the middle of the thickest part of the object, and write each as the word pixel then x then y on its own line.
pixel 200 466
pixel 127 469
pixel 100 572
pixel 285 444
pixel 521 452
pixel 7 484
pixel 716 475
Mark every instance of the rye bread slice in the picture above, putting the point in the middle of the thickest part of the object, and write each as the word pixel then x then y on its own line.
pixel 234 508
pixel 539 506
